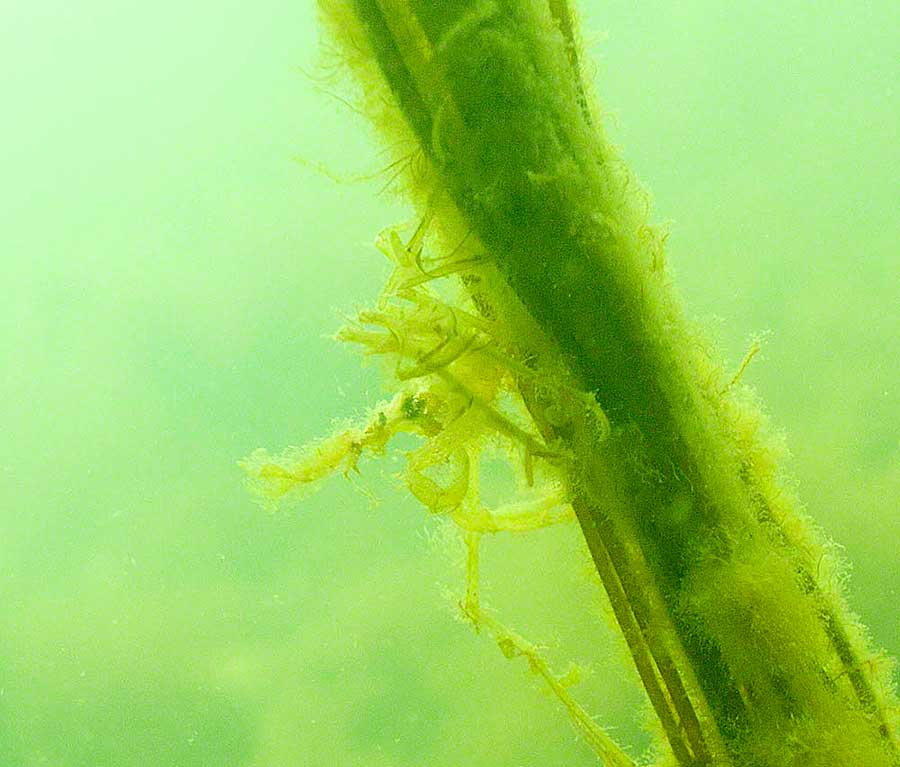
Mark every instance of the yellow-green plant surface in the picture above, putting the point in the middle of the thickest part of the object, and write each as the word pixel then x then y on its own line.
pixel 531 314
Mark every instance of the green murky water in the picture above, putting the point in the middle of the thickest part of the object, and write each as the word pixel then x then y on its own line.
pixel 170 273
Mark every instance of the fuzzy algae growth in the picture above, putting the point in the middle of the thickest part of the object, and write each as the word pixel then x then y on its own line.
pixel 546 324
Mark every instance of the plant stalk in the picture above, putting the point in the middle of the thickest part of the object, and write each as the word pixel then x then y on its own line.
pixel 708 564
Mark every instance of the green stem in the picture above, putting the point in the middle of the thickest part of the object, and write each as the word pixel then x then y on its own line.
pixel 744 656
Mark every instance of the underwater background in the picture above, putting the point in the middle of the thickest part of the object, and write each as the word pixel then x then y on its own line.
pixel 185 217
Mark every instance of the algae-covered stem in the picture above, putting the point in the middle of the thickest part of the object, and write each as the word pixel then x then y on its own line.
pixel 707 562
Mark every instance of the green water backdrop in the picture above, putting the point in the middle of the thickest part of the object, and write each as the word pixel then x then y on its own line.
pixel 171 273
